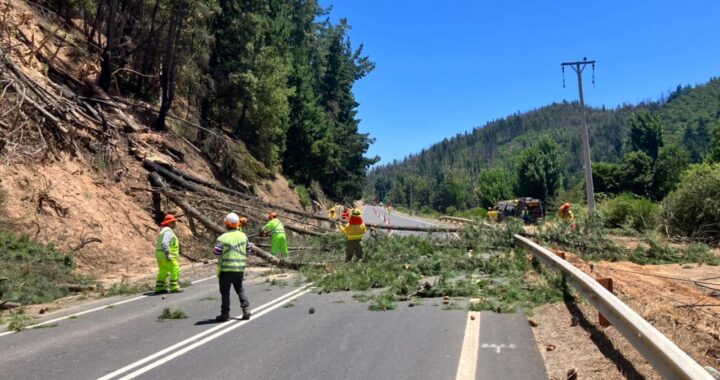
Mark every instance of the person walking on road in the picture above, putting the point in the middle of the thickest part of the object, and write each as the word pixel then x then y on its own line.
pixel 232 249
pixel 355 229
pixel 167 249
pixel 276 229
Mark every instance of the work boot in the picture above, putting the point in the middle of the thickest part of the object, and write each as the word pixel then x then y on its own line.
pixel 178 290
pixel 246 313
pixel 223 317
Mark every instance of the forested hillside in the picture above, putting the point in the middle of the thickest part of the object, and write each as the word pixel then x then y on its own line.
pixel 477 168
pixel 275 74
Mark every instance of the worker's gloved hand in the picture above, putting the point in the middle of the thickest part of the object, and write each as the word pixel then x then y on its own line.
pixel 249 248
pixel 167 255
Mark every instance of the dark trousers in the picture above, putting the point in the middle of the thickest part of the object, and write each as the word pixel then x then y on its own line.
pixel 236 280
pixel 353 248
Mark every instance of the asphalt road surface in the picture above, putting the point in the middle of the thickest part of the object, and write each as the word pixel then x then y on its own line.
pixel 380 215
pixel 295 333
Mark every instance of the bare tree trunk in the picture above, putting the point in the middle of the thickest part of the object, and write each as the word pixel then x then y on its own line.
pixel 167 78
pixel 106 64
pixel 149 49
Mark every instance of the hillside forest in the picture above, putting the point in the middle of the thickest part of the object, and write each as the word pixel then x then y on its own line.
pixel 642 152
pixel 273 75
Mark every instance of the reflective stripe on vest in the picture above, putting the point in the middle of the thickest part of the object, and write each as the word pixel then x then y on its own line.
pixel 174 243
pixel 233 255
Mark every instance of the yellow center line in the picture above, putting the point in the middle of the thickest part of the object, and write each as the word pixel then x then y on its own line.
pixel 469 354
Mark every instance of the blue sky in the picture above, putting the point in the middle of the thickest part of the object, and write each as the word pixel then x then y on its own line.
pixel 445 67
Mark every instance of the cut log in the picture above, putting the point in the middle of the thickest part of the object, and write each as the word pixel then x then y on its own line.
pixel 416 229
pixel 157 181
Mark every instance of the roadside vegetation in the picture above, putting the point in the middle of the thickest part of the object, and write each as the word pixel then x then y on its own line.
pixel 483 264
pixel 33 272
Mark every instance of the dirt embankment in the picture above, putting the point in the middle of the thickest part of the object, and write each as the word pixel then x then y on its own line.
pixel 96 205
pixel 570 338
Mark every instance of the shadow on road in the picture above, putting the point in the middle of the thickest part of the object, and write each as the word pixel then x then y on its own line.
pixel 602 341
pixel 207 322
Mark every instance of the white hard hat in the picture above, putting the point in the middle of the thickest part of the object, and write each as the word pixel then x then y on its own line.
pixel 232 220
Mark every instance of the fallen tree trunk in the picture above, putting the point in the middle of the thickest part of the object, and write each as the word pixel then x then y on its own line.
pixel 162 170
pixel 248 197
pixel 416 229
pixel 157 181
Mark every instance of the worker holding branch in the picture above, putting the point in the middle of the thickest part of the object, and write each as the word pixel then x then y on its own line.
pixel 276 229
pixel 355 229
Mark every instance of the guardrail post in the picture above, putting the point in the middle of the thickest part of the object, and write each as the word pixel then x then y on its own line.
pixel 607 283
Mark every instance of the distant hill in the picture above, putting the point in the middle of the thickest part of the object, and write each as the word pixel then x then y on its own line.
pixel 688 116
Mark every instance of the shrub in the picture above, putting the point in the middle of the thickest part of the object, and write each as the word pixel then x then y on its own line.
pixel 629 211
pixel 693 210
pixel 304 195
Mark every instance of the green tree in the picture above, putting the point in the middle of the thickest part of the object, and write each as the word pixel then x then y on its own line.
pixel 669 167
pixel 645 134
pixel 607 177
pixel 540 170
pixel 637 172
pixel 450 194
pixel 713 154
pixel 494 185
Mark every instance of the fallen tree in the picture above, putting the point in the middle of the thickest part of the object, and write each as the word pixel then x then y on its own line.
pixel 410 228
pixel 176 179
pixel 158 182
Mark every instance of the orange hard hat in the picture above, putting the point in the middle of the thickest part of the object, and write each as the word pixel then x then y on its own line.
pixel 565 206
pixel 169 219
pixel 243 221
pixel 272 215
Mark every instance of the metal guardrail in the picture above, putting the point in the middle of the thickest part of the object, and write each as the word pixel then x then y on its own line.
pixel 667 358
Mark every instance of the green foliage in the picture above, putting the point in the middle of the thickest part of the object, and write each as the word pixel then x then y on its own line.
pixel 693 210
pixel 540 170
pixel 126 287
pixel 607 177
pixel 645 134
pixel 630 212
pixel 669 167
pixel 636 170
pixel 712 157
pixel 19 322
pixel 495 185
pixel 658 253
pixel 483 262
pixel 451 194
pixel 33 270
pixel 303 195
pixel 168 313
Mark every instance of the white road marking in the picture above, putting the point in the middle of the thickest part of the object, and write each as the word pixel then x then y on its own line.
pixel 498 348
pixel 469 354
pixel 95 309
pixel 195 345
pixel 282 299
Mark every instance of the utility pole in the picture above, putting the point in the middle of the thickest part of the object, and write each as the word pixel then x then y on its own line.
pixel 579 67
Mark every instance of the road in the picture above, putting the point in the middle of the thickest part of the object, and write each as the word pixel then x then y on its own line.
pixel 380 215
pixel 339 339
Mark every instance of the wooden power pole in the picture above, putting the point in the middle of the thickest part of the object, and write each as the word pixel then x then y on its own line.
pixel 579 67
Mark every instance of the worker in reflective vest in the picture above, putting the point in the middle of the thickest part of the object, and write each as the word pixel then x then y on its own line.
pixel 167 250
pixel 275 228
pixel 355 229
pixel 231 247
